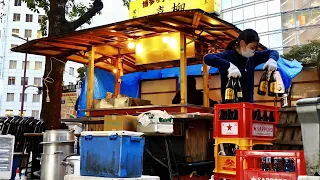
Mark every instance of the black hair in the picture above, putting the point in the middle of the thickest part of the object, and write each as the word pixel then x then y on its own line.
pixel 247 35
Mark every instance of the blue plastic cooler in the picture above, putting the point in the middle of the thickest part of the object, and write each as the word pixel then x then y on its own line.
pixel 111 154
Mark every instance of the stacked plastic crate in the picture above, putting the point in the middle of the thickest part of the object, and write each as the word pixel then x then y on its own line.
pixel 240 126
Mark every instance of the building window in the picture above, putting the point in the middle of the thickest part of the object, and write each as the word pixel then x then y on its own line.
pixel 9 112
pixel 36 98
pixel 25 82
pixel 12 64
pixel 28 33
pixel 71 71
pixel 11 80
pixel 25 97
pixel 29 17
pixel 16 17
pixel 39 34
pixel 10 97
pixel 40 17
pixel 26 65
pixel 13 45
pixel 35 114
pixel 238 15
pixel 37 81
pixel 15 31
pixel 17 2
pixel 38 65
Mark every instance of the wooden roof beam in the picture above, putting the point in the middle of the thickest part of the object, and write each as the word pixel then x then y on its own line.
pixel 196 19
pixel 66 46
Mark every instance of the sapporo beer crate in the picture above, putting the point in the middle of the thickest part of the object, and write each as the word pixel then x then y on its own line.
pixel 225 159
pixel 245 120
pixel 270 164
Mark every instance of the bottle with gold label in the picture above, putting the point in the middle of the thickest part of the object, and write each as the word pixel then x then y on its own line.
pixel 272 85
pixel 229 93
pixel 263 84
pixel 238 90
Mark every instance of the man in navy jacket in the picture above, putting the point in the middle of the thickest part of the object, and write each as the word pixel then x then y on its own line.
pixel 240 60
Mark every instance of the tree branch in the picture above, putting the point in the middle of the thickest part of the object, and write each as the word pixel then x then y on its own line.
pixel 97 6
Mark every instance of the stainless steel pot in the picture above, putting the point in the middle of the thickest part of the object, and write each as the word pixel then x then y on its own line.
pixel 51 168
pixel 72 165
pixel 53 147
pixel 58 136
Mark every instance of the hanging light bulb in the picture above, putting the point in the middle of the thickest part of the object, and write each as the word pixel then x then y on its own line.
pixel 131 45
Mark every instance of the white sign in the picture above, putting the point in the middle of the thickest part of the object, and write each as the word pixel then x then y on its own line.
pixel 229 128
pixel 259 178
pixel 259 129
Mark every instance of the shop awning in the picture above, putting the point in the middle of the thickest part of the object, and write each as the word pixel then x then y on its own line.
pixel 111 40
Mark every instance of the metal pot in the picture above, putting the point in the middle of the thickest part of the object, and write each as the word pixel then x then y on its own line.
pixel 72 165
pixel 58 135
pixel 66 147
pixel 51 168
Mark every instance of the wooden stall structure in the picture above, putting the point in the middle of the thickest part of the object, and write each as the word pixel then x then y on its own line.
pixel 157 41
pixel 139 45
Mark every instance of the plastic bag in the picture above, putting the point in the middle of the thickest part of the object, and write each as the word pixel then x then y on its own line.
pixel 154 116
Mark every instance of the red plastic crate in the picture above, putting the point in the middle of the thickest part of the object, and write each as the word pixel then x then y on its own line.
pixel 249 165
pixel 219 176
pixel 245 127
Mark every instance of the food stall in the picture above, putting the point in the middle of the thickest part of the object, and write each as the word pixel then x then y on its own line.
pixel 179 38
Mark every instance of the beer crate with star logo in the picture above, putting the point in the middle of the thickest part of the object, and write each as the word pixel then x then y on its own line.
pixel 282 164
pixel 225 163
pixel 245 120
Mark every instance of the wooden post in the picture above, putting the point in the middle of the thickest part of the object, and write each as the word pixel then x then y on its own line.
pixel 118 73
pixel 183 70
pixel 205 77
pixel 90 79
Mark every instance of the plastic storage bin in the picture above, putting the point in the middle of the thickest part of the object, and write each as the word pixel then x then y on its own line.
pixel 242 120
pixel 115 154
pixel 249 165
pixel 227 164
pixel 309 115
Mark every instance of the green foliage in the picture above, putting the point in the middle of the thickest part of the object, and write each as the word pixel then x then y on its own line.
pixel 82 73
pixel 306 53
pixel 126 3
pixel 73 11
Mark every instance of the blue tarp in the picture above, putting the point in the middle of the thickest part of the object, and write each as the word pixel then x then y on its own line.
pixel 105 81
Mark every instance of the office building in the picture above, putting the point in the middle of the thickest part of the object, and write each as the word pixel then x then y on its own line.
pixel 281 24
pixel 17 19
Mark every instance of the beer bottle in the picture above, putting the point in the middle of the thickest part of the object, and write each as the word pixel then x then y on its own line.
pixel 265 116
pixel 271 117
pixel 238 89
pixel 229 93
pixel 262 89
pixel 272 85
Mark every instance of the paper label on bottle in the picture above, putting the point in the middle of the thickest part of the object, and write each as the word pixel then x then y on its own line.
pixel 273 87
pixel 259 129
pixel 263 86
pixel 239 94
pixel 229 128
pixel 229 94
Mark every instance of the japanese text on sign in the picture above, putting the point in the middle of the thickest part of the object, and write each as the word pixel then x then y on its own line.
pixel 140 8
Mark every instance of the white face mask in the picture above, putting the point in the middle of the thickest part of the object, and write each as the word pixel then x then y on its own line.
pixel 248 53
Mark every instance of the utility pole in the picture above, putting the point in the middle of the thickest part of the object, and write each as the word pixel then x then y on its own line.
pixel 24 75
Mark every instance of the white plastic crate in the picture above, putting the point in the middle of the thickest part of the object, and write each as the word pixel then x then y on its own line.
pixel 6 155
pixel 309 178
pixel 73 177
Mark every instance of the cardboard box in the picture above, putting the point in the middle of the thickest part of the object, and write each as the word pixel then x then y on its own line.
pixel 120 122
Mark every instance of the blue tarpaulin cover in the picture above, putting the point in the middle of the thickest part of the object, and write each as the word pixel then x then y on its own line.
pixel 105 81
